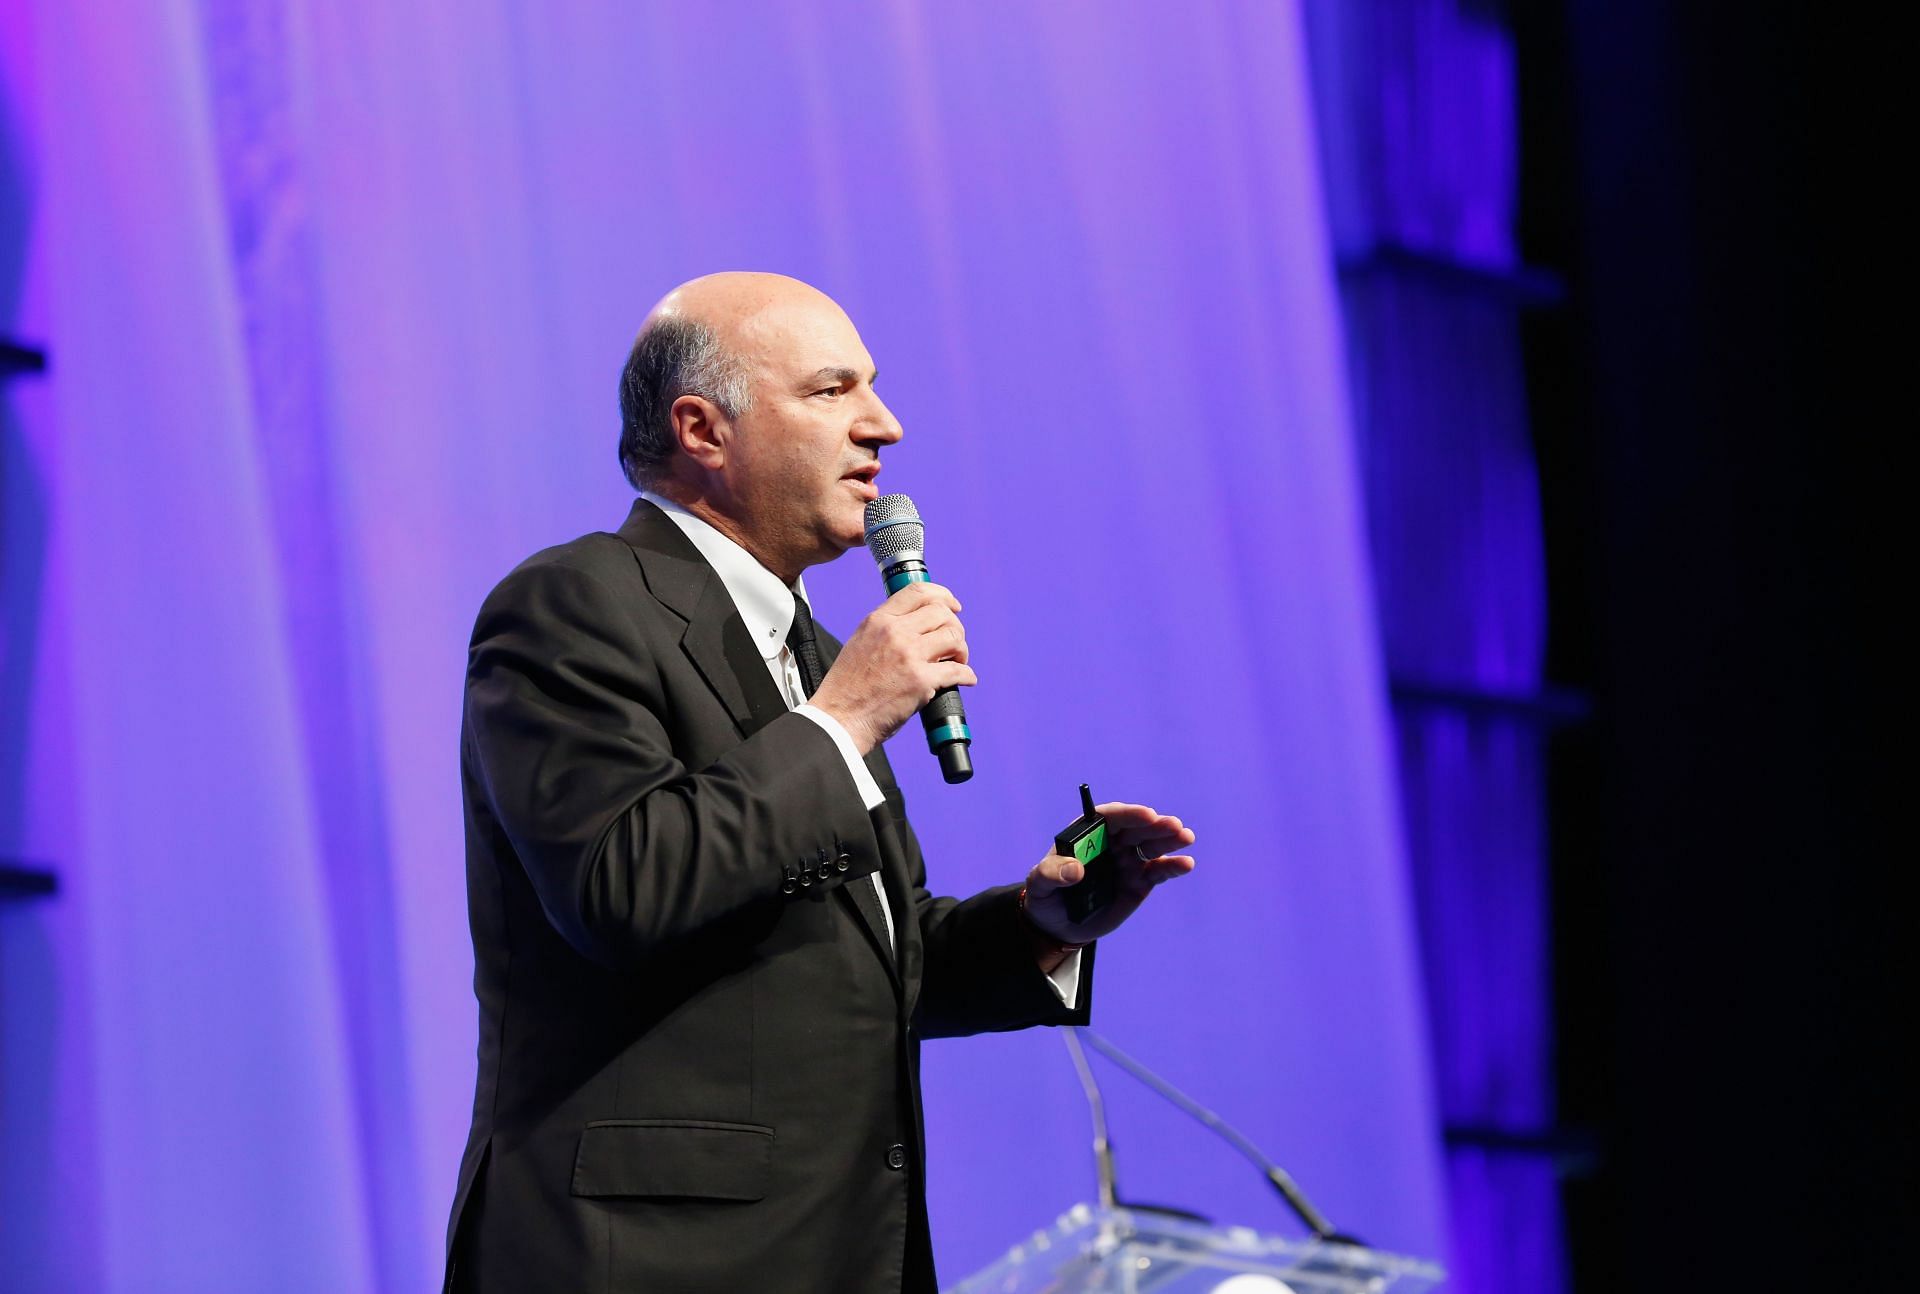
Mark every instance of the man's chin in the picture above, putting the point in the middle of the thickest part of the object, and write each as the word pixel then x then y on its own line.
pixel 837 540
pixel 853 528
pixel 845 542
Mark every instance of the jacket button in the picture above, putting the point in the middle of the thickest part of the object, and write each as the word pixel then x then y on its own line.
pixel 842 862
pixel 896 1157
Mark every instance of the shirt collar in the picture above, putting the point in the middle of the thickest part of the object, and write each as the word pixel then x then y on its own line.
pixel 764 602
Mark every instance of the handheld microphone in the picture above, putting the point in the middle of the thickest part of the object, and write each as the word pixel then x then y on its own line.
pixel 897 538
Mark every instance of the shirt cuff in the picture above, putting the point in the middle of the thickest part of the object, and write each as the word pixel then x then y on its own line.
pixel 870 792
pixel 1065 979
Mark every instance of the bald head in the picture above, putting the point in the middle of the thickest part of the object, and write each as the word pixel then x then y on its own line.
pixel 708 338
pixel 740 306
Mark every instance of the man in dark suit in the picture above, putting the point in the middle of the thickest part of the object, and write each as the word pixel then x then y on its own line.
pixel 705 950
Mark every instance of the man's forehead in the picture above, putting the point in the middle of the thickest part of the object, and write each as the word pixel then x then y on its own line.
pixel 801 336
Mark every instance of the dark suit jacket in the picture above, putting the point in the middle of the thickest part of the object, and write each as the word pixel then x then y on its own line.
pixel 698 1061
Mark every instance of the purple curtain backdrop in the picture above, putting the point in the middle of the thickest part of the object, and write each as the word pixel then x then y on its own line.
pixel 336 296
pixel 1419 135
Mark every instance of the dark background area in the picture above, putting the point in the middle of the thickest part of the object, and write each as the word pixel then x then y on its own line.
pixel 1728 1009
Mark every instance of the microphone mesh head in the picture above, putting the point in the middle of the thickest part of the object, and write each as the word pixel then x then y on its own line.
pixel 894 529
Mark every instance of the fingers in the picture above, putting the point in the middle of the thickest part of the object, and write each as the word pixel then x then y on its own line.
pixel 935 622
pixel 915 596
pixel 1057 871
pixel 922 636
pixel 1155 871
pixel 1140 876
pixel 907 649
pixel 932 634
pixel 1120 812
pixel 1136 824
pixel 952 673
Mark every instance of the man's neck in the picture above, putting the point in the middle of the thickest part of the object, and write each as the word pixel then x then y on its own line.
pixel 702 507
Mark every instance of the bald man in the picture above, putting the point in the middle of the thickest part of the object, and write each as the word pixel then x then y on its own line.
pixel 704 948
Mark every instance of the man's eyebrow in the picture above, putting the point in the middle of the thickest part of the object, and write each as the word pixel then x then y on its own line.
pixel 836 377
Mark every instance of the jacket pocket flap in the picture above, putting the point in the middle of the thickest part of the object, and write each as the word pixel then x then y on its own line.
pixel 673 1157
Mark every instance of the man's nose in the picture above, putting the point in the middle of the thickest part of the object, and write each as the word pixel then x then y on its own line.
pixel 879 423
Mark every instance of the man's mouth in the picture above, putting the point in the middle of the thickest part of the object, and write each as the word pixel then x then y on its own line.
pixel 862 481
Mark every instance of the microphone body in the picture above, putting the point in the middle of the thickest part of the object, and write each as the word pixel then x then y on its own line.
pixel 897 539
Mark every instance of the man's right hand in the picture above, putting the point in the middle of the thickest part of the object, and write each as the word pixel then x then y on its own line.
pixel 909 648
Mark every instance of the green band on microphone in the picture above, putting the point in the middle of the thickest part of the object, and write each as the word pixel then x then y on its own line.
pixel 946 732
pixel 900 579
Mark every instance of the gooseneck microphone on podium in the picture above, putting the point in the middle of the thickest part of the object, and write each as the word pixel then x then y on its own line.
pixel 897 538
pixel 1276 1176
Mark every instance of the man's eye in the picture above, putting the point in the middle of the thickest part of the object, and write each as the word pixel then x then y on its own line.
pixel 828 390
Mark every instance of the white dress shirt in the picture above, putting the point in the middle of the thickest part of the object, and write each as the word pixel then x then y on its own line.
pixel 765 604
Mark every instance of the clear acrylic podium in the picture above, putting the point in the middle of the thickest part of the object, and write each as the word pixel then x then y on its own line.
pixel 1124 1251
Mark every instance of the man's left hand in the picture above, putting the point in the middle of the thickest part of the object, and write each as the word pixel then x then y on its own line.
pixel 1138 845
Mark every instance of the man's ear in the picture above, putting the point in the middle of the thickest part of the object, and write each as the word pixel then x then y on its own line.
pixel 700 428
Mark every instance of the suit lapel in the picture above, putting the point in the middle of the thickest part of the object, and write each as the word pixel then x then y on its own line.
pixel 724 652
pixel 717 642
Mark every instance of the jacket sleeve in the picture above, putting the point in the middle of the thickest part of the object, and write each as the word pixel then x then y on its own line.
pixel 979 974
pixel 567 717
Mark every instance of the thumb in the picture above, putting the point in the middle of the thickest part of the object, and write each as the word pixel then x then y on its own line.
pixel 1054 872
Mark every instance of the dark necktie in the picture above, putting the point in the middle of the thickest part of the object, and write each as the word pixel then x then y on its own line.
pixel 805 647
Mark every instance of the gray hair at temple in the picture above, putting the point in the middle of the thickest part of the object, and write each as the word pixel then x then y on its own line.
pixel 672 357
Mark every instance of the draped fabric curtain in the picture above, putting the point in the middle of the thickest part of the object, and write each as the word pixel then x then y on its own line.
pixel 1419 130
pixel 335 297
